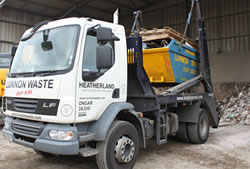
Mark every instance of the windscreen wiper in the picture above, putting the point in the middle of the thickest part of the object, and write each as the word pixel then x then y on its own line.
pixel 12 75
pixel 47 72
pixel 24 74
pixel 33 31
pixel 33 74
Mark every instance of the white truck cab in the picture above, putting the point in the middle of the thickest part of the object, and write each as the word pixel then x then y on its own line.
pixel 57 90
pixel 57 75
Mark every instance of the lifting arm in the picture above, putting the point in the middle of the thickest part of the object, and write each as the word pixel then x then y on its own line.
pixel 205 76
pixel 204 58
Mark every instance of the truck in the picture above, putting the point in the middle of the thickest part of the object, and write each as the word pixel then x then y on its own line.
pixel 77 86
pixel 5 59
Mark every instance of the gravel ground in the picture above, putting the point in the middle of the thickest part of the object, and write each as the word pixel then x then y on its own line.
pixel 227 148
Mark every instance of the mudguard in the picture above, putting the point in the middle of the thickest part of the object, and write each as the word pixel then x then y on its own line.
pixel 101 126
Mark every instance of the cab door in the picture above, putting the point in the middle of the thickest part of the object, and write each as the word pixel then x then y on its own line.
pixel 95 89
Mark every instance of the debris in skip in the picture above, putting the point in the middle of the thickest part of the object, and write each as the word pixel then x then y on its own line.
pixel 237 107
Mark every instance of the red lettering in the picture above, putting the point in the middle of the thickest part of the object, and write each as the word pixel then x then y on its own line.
pixel 19 93
pixel 28 92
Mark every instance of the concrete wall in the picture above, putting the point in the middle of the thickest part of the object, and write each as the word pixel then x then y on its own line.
pixel 230 72
pixel 230 67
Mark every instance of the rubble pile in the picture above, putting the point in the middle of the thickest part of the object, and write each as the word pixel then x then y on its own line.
pixel 237 107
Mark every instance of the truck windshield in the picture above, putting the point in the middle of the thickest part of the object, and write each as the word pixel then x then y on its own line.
pixel 5 61
pixel 48 51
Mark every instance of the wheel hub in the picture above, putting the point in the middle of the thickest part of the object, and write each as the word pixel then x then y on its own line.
pixel 203 127
pixel 124 149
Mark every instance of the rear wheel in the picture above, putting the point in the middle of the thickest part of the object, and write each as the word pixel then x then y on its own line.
pixel 120 149
pixel 198 132
pixel 182 133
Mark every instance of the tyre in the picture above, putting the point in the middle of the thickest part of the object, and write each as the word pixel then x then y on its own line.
pixel 198 132
pixel 44 154
pixel 182 133
pixel 120 149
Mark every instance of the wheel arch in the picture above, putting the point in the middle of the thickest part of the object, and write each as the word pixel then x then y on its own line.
pixel 131 116
pixel 189 113
pixel 117 111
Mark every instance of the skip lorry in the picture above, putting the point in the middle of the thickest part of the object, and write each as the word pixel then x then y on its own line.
pixel 78 86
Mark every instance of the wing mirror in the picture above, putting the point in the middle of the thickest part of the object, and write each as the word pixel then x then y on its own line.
pixel 103 57
pixel 105 34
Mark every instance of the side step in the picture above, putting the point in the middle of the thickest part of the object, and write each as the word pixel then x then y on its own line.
pixel 88 152
pixel 162 128
pixel 168 126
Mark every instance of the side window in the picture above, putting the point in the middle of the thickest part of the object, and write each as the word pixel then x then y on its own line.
pixel 89 55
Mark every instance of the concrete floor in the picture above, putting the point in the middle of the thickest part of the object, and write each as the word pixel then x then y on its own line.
pixel 227 148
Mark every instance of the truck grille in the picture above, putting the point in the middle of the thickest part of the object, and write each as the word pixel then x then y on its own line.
pixel 24 138
pixel 27 128
pixel 33 106
pixel 25 105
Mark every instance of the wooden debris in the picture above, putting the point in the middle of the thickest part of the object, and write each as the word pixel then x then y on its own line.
pixel 165 33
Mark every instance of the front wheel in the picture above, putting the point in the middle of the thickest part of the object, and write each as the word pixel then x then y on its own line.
pixel 120 149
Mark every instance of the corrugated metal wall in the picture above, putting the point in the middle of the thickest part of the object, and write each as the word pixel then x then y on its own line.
pixel 227 22
pixel 12 26
pixel 228 25
pixel 171 15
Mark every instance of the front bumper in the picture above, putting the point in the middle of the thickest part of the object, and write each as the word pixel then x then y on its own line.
pixel 35 135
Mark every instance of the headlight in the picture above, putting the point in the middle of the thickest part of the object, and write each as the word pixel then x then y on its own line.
pixel 6 125
pixel 66 110
pixel 61 135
